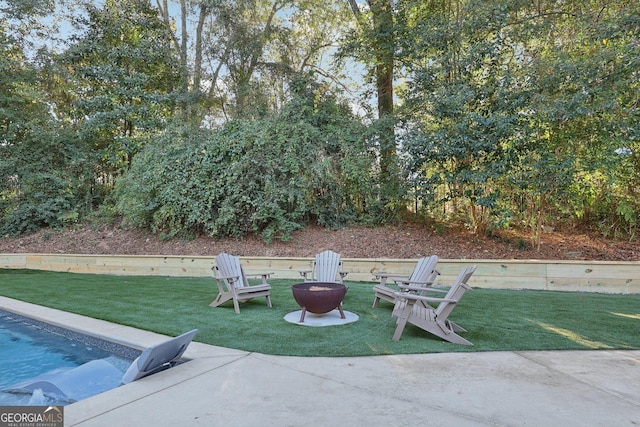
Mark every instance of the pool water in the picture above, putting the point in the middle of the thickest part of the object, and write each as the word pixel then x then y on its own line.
pixel 30 350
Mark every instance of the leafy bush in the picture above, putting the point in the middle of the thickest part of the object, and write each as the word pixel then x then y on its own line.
pixel 42 188
pixel 269 176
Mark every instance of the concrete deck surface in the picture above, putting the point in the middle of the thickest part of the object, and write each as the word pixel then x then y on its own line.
pixel 226 387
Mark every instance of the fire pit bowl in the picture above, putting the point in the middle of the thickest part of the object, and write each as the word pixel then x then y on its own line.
pixel 319 297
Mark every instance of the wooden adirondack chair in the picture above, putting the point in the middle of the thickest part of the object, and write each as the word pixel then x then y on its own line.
pixel 326 267
pixel 233 283
pixel 433 320
pixel 423 275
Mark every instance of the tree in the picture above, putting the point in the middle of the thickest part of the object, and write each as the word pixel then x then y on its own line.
pixel 43 170
pixel 125 75
pixel 517 108
pixel 463 127
pixel 243 55
pixel 378 50
pixel 584 82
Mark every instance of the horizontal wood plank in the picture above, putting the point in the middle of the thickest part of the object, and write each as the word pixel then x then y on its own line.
pixel 584 276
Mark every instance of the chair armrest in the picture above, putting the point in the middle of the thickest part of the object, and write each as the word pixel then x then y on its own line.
pixel 383 277
pixel 264 276
pixel 259 274
pixel 413 288
pixel 442 291
pixel 409 284
pixel 426 288
pixel 389 276
pixel 227 277
pixel 416 297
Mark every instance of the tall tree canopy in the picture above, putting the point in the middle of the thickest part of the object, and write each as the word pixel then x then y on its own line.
pixel 492 113
pixel 514 109
pixel 43 169
pixel 123 76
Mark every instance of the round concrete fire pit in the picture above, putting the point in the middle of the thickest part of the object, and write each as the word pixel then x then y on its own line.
pixel 319 297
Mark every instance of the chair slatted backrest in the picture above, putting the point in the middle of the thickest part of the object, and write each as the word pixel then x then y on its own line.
pixel 456 291
pixel 425 270
pixel 229 266
pixel 326 266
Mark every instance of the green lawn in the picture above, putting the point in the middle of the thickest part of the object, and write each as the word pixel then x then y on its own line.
pixel 495 319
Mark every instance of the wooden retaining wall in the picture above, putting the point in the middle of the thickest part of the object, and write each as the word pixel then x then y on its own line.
pixel 585 276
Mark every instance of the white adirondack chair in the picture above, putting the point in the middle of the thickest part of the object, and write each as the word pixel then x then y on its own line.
pixel 326 267
pixel 423 275
pixel 233 283
pixel 433 320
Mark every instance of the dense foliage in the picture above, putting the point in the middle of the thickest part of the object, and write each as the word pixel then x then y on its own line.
pixel 524 113
pixel 45 177
pixel 228 118
pixel 270 176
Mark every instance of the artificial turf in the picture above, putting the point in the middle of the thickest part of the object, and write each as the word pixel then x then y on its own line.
pixel 496 320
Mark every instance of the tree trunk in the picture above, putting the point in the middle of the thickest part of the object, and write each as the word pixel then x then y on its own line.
pixel 383 46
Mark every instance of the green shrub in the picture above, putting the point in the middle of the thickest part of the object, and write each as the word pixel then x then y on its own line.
pixel 269 176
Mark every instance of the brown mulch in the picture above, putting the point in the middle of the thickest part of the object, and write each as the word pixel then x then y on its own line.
pixel 400 242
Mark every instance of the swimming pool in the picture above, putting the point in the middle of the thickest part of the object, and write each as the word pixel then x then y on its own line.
pixel 39 360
